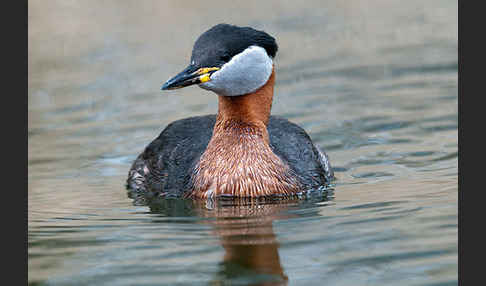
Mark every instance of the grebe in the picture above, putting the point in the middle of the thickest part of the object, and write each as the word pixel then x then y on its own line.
pixel 242 151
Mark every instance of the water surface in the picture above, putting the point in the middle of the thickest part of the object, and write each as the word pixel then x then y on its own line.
pixel 373 83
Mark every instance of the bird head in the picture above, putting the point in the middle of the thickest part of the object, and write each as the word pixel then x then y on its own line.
pixel 228 60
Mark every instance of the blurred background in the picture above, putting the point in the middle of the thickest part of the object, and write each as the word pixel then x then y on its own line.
pixel 374 83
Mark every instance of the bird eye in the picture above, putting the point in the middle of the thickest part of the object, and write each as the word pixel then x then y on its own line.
pixel 225 58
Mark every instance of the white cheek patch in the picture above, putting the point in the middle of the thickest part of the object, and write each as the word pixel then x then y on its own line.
pixel 245 73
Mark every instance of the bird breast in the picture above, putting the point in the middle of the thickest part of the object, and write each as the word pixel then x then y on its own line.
pixel 239 162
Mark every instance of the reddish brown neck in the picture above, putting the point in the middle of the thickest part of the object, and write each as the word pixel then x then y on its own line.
pixel 238 160
pixel 252 109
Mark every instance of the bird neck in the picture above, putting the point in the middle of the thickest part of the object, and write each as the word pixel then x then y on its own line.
pixel 238 160
pixel 250 109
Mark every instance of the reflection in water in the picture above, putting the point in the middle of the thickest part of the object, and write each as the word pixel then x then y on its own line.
pixel 245 230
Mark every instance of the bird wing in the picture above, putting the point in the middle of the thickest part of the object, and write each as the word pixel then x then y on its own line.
pixel 326 165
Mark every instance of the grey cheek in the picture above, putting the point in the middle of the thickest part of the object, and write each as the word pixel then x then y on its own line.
pixel 221 85
pixel 207 85
pixel 242 75
pixel 239 80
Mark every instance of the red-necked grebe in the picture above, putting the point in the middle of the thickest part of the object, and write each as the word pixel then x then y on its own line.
pixel 242 151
